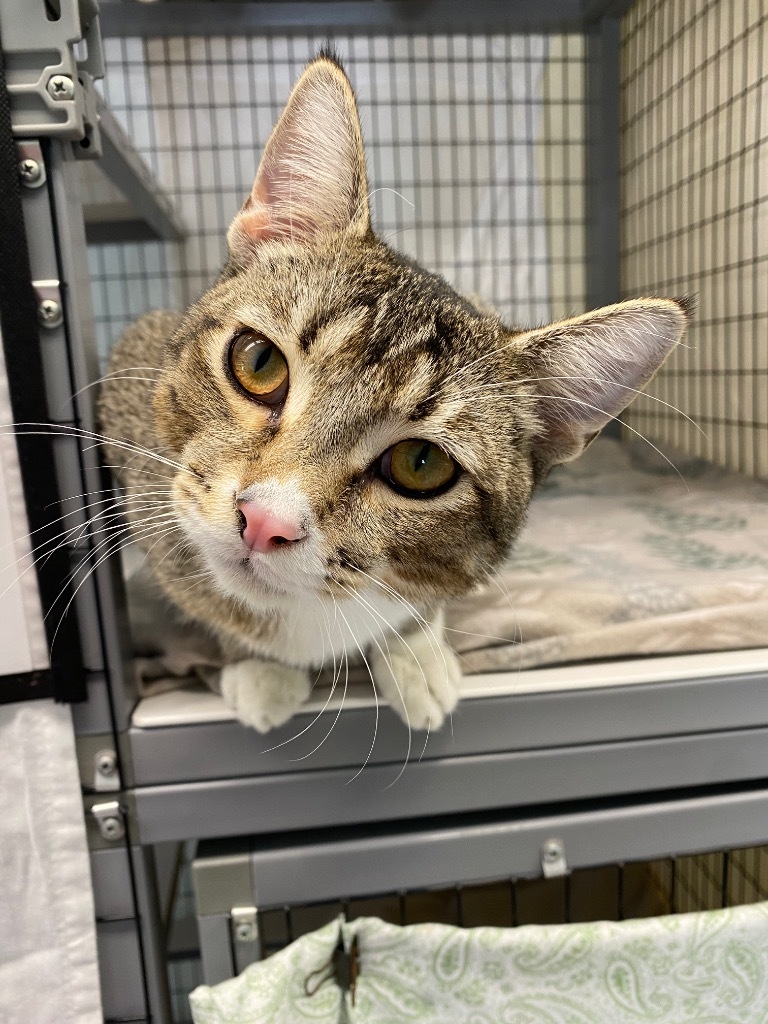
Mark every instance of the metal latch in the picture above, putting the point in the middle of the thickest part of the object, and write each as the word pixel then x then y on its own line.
pixel 106 777
pixel 109 818
pixel 245 926
pixel 553 863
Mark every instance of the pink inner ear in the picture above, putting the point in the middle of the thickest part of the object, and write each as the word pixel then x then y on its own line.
pixel 254 220
pixel 268 214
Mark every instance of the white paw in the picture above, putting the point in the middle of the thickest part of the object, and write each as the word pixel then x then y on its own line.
pixel 263 694
pixel 419 676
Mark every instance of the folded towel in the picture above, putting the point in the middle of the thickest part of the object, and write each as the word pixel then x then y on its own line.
pixel 702 968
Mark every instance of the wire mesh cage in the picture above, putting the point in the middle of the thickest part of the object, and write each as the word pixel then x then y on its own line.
pixel 476 147
pixel 694 143
pixel 481 168
pixel 616 892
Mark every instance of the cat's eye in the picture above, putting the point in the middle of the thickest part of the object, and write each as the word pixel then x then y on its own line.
pixel 419 469
pixel 259 367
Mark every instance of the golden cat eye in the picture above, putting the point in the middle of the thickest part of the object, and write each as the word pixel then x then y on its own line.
pixel 418 468
pixel 259 367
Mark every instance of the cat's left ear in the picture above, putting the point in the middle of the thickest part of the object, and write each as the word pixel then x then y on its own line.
pixel 311 178
pixel 586 370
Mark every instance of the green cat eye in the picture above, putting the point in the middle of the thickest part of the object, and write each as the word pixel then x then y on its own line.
pixel 259 367
pixel 418 468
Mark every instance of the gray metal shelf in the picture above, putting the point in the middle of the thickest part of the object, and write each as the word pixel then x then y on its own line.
pixel 514 723
pixel 248 876
pixel 122 201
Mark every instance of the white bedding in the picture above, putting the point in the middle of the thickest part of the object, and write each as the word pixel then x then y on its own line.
pixel 626 554
pixel 48 964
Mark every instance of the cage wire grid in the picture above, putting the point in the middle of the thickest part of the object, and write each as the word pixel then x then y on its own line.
pixel 475 147
pixel 485 136
pixel 695 216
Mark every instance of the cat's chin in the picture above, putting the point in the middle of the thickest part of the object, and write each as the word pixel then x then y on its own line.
pixel 259 585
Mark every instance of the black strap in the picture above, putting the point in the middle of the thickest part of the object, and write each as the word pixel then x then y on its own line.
pixel 24 368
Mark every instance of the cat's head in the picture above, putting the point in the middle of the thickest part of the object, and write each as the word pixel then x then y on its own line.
pixel 352 421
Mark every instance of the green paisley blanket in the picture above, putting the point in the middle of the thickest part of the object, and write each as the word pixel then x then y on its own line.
pixel 703 968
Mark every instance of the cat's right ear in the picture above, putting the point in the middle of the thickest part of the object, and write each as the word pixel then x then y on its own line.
pixel 587 369
pixel 311 178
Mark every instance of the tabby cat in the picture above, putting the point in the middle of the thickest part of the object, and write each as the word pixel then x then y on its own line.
pixel 342 442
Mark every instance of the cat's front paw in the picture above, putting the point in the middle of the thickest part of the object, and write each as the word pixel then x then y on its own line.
pixel 264 694
pixel 419 676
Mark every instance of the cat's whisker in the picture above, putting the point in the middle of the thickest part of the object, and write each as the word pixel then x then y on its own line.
pixel 65 430
pixel 432 638
pixel 96 523
pixel 492 576
pixel 479 388
pixel 394 192
pixel 92 569
pixel 375 696
pixel 121 374
pixel 594 408
pixel 144 472
pixel 109 533
pixel 171 551
pixel 429 633
pixel 70 537
pixel 374 613
pixel 191 576
pixel 482 636
pixel 341 703
pixel 319 714
pixel 67 515
pixel 335 679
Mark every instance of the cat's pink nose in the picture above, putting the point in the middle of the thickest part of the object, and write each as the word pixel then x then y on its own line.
pixel 263 531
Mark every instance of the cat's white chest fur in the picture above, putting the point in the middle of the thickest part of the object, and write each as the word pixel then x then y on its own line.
pixel 317 631
pixel 407 662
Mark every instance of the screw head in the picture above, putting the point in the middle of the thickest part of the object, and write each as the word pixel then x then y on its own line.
pixel 552 850
pixel 30 171
pixel 112 828
pixel 49 313
pixel 245 932
pixel 61 87
pixel 106 763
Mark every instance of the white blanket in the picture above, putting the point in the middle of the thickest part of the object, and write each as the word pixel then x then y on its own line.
pixel 48 965
pixel 625 554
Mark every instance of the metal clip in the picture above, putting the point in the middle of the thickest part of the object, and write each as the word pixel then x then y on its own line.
pixel 553 863
pixel 106 777
pixel 343 968
pixel 29 160
pixel 245 926
pixel 50 312
pixel 109 818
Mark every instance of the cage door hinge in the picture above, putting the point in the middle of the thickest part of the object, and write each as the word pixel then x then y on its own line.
pixel 53 54
pixel 553 864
